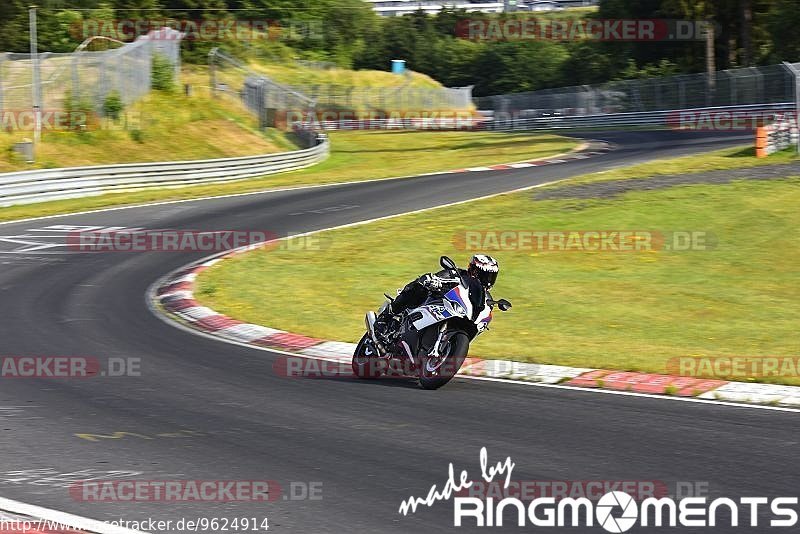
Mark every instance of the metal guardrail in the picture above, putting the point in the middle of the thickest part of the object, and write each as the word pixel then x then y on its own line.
pixel 73 182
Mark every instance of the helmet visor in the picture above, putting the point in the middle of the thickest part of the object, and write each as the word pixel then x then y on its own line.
pixel 487 278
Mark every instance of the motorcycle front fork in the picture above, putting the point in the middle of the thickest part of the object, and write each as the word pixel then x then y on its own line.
pixel 442 330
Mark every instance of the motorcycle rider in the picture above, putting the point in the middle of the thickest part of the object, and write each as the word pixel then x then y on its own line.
pixel 481 268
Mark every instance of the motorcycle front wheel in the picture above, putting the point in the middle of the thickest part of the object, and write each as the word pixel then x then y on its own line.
pixel 434 372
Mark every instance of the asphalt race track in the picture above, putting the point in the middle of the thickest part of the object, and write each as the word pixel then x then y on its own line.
pixel 207 410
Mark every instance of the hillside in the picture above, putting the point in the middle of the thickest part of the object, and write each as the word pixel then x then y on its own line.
pixel 160 127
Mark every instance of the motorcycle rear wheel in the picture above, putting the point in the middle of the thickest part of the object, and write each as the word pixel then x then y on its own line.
pixel 366 364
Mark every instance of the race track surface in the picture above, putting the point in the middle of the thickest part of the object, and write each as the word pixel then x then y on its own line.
pixel 204 409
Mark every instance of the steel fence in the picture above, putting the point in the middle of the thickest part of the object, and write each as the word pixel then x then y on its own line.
pixel 400 98
pixel 264 97
pixel 278 105
pixel 736 87
pixel 717 118
pixel 86 77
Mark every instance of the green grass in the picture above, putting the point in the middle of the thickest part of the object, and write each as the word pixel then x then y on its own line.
pixel 293 74
pixel 728 158
pixel 573 13
pixel 160 127
pixel 616 310
pixel 355 156
pixel 174 126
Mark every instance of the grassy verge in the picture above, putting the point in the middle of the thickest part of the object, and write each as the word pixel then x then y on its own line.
pixel 160 127
pixel 634 310
pixel 725 159
pixel 355 156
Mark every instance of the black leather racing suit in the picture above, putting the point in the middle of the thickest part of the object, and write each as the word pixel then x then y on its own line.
pixel 416 291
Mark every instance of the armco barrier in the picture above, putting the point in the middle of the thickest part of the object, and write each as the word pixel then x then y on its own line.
pixel 73 182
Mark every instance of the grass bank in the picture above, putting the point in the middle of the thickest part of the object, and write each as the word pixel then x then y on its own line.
pixel 295 74
pixel 159 127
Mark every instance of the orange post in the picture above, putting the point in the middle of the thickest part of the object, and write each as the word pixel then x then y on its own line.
pixel 761 141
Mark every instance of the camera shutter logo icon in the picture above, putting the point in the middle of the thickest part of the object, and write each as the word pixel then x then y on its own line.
pixel 608 503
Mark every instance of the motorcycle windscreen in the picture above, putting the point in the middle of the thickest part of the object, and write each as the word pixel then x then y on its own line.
pixel 473 298
pixel 459 301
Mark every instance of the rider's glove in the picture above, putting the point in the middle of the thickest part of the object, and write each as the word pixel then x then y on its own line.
pixel 432 283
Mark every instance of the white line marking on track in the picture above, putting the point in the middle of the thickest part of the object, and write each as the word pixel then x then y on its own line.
pixel 52 477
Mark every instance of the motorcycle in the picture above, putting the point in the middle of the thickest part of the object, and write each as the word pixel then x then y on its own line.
pixel 431 341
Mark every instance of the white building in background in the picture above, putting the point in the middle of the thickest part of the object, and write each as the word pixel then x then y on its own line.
pixel 393 8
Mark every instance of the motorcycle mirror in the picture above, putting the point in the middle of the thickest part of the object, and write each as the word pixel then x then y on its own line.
pixel 447 263
pixel 503 304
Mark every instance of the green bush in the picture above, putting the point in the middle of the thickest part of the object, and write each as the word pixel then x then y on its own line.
pixel 163 73
pixel 80 111
pixel 137 135
pixel 113 105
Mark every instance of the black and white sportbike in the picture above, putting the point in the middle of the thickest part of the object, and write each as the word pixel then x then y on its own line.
pixel 430 341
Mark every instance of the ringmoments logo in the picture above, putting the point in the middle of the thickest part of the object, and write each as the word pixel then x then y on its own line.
pixel 615 511
pixel 616 500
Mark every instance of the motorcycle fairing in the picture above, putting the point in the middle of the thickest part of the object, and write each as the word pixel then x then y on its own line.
pixel 431 314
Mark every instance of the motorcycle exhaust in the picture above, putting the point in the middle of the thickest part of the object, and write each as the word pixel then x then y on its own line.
pixel 369 320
